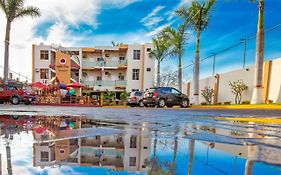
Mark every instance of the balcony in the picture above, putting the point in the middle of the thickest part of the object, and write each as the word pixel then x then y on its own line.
pixel 113 64
pixel 116 83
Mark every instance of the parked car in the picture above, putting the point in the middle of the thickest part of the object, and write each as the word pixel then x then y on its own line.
pixel 135 99
pixel 15 95
pixel 165 96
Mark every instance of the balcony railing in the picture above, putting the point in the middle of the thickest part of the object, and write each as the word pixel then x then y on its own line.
pixel 106 83
pixel 112 63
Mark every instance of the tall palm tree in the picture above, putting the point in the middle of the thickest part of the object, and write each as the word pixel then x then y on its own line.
pixel 199 17
pixel 176 38
pixel 14 9
pixel 191 155
pixel 159 52
pixel 257 93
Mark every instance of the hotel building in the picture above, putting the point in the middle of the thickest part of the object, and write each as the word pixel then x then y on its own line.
pixel 113 68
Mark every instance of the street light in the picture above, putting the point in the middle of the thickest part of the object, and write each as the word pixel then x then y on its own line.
pixel 245 50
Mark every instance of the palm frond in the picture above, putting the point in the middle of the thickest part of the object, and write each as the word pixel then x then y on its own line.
pixel 3 6
pixel 28 11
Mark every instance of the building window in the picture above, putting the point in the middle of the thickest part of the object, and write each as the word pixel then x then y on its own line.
pixel 44 54
pixel 135 90
pixel 148 69
pixel 136 74
pixel 148 49
pixel 133 142
pixel 99 78
pixel 44 73
pixel 121 76
pixel 44 156
pixel 119 139
pixel 136 55
pixel 133 161
pixel 121 58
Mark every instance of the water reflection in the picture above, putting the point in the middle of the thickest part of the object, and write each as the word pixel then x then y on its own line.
pixel 92 146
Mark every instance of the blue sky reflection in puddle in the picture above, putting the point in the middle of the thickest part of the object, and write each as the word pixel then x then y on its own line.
pixel 77 145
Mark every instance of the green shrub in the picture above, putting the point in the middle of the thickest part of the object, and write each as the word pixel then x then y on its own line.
pixel 246 102
pixel 237 88
pixel 208 93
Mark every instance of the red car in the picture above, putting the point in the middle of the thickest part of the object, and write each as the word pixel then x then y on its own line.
pixel 15 95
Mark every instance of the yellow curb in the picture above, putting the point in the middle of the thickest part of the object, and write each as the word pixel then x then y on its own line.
pixel 256 120
pixel 261 106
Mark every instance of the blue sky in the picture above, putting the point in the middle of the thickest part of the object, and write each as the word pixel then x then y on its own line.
pixel 95 22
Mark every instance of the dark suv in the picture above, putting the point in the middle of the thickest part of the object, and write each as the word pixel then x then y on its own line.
pixel 15 94
pixel 165 96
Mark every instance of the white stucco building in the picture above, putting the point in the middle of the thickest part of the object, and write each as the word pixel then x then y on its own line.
pixel 113 68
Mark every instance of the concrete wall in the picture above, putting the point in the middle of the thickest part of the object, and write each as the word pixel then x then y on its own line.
pixel 247 76
pixel 275 81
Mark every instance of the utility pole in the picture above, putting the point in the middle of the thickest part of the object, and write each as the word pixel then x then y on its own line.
pixel 245 40
pixel 214 63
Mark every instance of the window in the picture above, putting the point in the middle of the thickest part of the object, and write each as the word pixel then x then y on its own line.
pixel 44 156
pixel 44 54
pixel 148 49
pixel 121 76
pixel 97 137
pixel 138 93
pixel 119 139
pixel 99 78
pixel 133 161
pixel 174 91
pixel 136 74
pixel 133 90
pixel 148 69
pixel 44 73
pixel 133 142
pixel 100 59
pixel 136 55
pixel 166 90
pixel 121 58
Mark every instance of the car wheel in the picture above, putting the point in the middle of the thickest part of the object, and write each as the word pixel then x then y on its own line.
pixel 132 105
pixel 161 103
pixel 15 100
pixel 184 103
pixel 141 103
pixel 1 102
pixel 27 103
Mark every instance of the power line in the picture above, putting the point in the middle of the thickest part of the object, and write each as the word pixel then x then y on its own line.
pixel 26 77
pixel 228 48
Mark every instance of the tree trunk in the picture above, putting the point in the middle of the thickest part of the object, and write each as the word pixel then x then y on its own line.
pixel 257 93
pixel 249 167
pixel 175 156
pixel 196 70
pixel 158 73
pixel 6 52
pixel 191 155
pixel 9 163
pixel 180 71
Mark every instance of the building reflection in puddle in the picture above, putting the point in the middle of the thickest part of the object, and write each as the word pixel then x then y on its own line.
pixel 83 142
pixel 121 151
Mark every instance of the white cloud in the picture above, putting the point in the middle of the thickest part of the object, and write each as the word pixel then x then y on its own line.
pixel 151 20
pixel 64 13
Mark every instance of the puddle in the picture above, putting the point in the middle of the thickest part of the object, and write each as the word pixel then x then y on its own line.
pixel 31 144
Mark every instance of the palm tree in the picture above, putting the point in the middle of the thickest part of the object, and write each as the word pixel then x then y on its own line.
pixel 199 17
pixel 159 52
pixel 191 155
pixel 14 9
pixel 257 93
pixel 176 39
pixel 116 44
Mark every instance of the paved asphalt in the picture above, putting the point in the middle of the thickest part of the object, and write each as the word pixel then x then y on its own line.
pixel 54 110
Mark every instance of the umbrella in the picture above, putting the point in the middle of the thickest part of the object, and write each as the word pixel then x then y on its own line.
pixel 76 85
pixel 39 85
